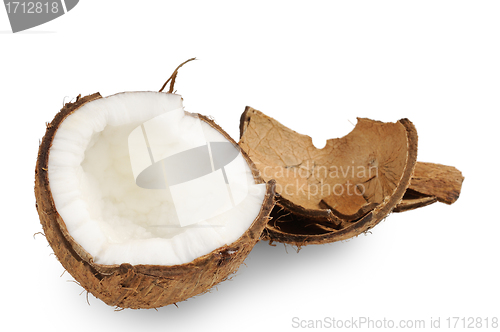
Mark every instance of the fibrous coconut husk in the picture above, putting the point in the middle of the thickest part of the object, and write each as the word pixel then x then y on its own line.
pixel 431 183
pixel 333 193
pixel 138 286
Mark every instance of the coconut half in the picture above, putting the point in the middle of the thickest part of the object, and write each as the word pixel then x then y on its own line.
pixel 144 204
pixel 333 193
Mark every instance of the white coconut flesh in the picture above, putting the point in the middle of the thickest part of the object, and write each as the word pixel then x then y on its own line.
pixel 120 200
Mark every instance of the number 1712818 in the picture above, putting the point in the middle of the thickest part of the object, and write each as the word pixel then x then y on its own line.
pixel 24 7
pixel 472 322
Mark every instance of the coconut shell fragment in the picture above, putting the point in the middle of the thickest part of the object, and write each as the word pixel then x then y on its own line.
pixel 333 193
pixel 414 200
pixel 431 183
pixel 138 286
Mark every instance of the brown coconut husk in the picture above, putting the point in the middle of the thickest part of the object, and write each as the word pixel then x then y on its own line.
pixel 302 216
pixel 138 286
pixel 413 200
pixel 338 217
pixel 431 183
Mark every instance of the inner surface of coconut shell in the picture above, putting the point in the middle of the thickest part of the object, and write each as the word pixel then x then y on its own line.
pixel 138 286
pixel 335 192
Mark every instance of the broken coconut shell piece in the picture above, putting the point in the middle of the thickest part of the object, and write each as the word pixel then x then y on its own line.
pixel 123 242
pixel 333 193
pixel 431 183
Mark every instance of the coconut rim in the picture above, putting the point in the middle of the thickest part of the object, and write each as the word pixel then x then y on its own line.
pixel 45 201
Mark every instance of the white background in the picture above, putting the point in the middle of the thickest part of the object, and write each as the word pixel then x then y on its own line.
pixel 314 66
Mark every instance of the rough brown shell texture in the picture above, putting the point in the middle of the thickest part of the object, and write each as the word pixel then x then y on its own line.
pixel 138 286
pixel 333 193
pixel 431 183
